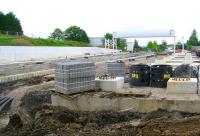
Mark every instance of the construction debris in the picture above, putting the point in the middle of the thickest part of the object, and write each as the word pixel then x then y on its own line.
pixel 185 71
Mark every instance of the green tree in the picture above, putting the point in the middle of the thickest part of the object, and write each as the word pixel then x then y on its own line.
pixel 136 45
pixel 162 46
pixel 9 22
pixel 57 34
pixel 2 21
pixel 75 33
pixel 152 46
pixel 121 43
pixel 108 36
pixel 178 45
pixel 193 39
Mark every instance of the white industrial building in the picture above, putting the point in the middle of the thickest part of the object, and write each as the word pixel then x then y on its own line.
pixel 96 41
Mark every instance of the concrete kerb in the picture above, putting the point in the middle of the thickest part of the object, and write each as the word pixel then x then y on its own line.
pixel 10 78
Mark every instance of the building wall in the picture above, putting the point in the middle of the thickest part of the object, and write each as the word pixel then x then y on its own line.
pixel 96 41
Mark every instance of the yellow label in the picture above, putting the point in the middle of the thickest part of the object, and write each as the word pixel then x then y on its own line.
pixel 135 75
pixel 166 76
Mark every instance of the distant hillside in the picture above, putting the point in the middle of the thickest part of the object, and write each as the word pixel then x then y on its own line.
pixel 7 40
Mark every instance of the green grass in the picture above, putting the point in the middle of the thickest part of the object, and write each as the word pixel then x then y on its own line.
pixel 26 41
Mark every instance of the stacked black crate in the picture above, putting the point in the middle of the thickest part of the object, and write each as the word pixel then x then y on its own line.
pixel 139 75
pixel 74 76
pixel 160 74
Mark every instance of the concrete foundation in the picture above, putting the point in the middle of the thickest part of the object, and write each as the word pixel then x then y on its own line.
pixel 182 86
pixel 110 84
pixel 102 101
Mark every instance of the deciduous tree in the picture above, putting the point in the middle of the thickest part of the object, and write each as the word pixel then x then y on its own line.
pixel 75 33
pixel 57 34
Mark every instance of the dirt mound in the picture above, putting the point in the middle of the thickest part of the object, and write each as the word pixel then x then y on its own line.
pixel 60 121
pixel 176 127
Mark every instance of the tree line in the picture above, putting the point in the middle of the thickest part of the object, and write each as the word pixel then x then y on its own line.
pixel 154 46
pixel 192 41
pixel 73 33
pixel 9 22
pixel 121 44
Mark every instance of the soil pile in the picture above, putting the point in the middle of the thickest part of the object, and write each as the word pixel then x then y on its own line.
pixel 59 121
pixel 177 127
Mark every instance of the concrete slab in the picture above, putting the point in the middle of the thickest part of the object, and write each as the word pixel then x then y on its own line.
pixel 182 86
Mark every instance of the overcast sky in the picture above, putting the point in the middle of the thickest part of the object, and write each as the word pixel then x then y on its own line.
pixel 40 17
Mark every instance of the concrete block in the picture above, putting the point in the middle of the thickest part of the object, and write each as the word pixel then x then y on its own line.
pixel 74 76
pixel 189 87
pixel 116 69
pixel 110 84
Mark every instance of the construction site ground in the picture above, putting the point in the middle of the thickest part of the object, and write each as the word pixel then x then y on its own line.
pixel 31 113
